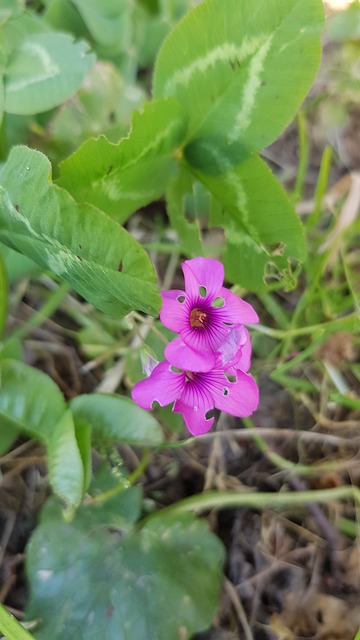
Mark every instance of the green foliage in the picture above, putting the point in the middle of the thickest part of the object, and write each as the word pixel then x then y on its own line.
pixel 228 79
pixel 126 584
pixel 179 191
pixel 102 106
pixel 260 224
pixel 17 264
pixel 43 71
pixel 230 63
pixel 117 418
pixel 31 402
pixel 77 242
pixel 121 178
pixel 215 132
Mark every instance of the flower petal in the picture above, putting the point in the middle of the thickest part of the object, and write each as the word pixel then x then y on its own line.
pixel 236 347
pixel 240 398
pixel 194 404
pixel 184 357
pixel 206 338
pixel 203 272
pixel 243 357
pixel 174 314
pixel 235 310
pixel 163 386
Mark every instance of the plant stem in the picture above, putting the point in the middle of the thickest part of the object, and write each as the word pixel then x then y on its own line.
pixel 133 477
pixel 303 157
pixel 11 628
pixel 221 500
pixel 345 323
pixel 48 308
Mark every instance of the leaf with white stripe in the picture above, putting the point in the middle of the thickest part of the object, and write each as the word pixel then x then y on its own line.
pixel 121 178
pixel 263 232
pixel 240 69
pixel 43 71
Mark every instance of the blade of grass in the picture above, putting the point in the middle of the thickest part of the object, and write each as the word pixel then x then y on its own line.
pixel 47 309
pixel 11 628
pixel 321 187
pixel 304 149
pixel 275 310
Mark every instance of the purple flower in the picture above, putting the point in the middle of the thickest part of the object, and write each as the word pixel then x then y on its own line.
pixel 207 316
pixel 195 394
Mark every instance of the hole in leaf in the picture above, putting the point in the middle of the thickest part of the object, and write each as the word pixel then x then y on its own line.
pixel 230 377
pixel 218 302
pixel 181 299
pixel 209 414
pixel 203 291
pixel 225 391
pixel 228 324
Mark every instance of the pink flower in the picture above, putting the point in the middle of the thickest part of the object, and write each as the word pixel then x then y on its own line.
pixel 207 316
pixel 195 394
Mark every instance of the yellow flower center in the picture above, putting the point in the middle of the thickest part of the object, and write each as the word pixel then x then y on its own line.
pixel 197 318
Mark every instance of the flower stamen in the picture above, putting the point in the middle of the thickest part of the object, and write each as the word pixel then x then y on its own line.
pixel 197 318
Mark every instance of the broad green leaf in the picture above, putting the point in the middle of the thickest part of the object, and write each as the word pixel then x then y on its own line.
pixel 180 189
pixel 79 243
pixel 108 21
pixel 7 438
pixel 18 265
pixel 103 105
pixel 345 25
pixel 43 71
pixel 62 15
pixel 113 417
pixel 83 439
pixel 2 100
pixel 261 226
pixel 153 23
pixel 4 296
pixel 11 349
pixel 10 7
pixel 240 69
pixel 121 509
pixel 120 178
pixel 96 584
pixel 30 402
pixel 18 28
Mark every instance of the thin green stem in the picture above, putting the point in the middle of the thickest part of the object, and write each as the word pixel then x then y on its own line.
pixel 11 628
pixel 221 500
pixel 279 461
pixel 348 322
pixel 125 484
pixel 48 308
pixel 304 302
pixel 274 308
pixel 321 186
pixel 303 157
